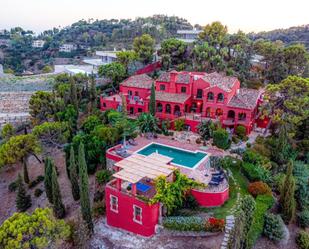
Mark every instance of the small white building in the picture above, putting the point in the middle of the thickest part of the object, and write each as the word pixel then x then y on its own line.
pixel 188 36
pixel 38 43
pixel 75 69
pixel 67 47
pixel 107 56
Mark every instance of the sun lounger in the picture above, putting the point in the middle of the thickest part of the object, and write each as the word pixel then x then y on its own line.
pixel 132 142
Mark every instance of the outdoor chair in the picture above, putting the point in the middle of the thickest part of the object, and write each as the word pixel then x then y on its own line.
pixel 132 142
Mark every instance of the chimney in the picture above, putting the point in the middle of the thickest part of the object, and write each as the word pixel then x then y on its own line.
pixel 173 75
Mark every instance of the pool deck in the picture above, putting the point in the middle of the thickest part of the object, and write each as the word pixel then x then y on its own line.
pixel 200 173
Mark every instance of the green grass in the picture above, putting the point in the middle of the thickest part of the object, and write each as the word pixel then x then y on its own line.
pixel 241 181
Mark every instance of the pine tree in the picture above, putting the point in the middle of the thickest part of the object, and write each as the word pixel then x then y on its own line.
pixel 73 176
pixel 58 207
pixel 73 94
pixel 152 103
pixel 48 179
pixel 23 201
pixel 282 146
pixel 84 188
pixel 287 199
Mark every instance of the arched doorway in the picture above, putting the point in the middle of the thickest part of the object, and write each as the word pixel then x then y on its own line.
pixel 177 110
pixel 231 114
pixel 168 108
pixel 219 112
pixel 242 116
pixel 193 107
pixel 159 107
pixel 208 112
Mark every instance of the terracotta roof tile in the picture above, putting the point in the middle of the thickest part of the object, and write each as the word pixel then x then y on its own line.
pixel 139 81
pixel 226 83
pixel 171 97
pixel 246 98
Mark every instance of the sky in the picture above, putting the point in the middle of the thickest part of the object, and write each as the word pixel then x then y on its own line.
pixel 245 15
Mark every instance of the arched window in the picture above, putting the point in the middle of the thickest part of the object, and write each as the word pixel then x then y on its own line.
pixel 159 107
pixel 220 97
pixel 208 112
pixel 242 116
pixel 168 108
pixel 210 96
pixel 219 112
pixel 177 110
pixel 231 114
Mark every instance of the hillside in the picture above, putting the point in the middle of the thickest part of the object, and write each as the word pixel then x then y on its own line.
pixel 299 34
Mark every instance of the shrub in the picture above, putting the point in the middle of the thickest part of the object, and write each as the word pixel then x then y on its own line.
pixel 240 131
pixel 215 225
pixel 198 141
pixel 181 223
pixel 254 172
pixel 303 218
pixel 221 139
pixel 190 202
pixel 39 179
pixel 273 227
pixel 103 176
pixel 38 192
pixel 259 188
pixel 263 203
pixel 278 181
pixel 302 240
pixel 251 157
pixel 98 196
pixel 98 209
pixel 12 186
pixel 235 140
pixel 179 124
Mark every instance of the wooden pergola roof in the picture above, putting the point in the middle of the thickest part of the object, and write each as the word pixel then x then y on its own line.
pixel 137 167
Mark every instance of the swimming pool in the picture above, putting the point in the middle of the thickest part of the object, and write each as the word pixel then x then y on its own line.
pixel 180 157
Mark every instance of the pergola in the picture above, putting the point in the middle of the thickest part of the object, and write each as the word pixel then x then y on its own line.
pixel 136 167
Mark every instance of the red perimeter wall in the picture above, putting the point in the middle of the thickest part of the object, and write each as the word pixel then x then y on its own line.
pixel 124 218
pixel 207 199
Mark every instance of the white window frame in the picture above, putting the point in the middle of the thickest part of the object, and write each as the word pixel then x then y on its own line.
pixel 141 215
pixel 111 203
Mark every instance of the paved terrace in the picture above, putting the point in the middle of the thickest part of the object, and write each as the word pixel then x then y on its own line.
pixel 202 173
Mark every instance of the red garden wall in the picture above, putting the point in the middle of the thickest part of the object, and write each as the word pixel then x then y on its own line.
pixel 208 199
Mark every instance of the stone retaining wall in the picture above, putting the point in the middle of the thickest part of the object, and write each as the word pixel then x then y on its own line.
pixel 14 107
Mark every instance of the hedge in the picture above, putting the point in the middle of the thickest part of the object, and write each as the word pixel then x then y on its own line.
pixel 254 172
pixel 263 203
pixel 273 227
pixel 181 223
pixel 302 240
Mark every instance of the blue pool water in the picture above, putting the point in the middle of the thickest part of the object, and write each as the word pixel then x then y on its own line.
pixel 181 157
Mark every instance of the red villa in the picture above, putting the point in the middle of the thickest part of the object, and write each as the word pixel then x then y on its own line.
pixel 193 96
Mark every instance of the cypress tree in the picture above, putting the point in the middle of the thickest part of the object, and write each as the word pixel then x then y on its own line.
pixel 58 207
pixel 23 201
pixel 73 176
pixel 287 199
pixel 93 93
pixel 25 169
pixel 84 188
pixel 152 102
pixel 73 93
pixel 48 180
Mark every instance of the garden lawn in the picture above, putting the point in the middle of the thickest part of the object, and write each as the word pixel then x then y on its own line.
pixel 237 184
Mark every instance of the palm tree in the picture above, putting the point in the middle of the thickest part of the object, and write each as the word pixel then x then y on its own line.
pixel 147 123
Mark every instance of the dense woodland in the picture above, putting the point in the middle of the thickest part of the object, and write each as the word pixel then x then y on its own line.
pixel 299 34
